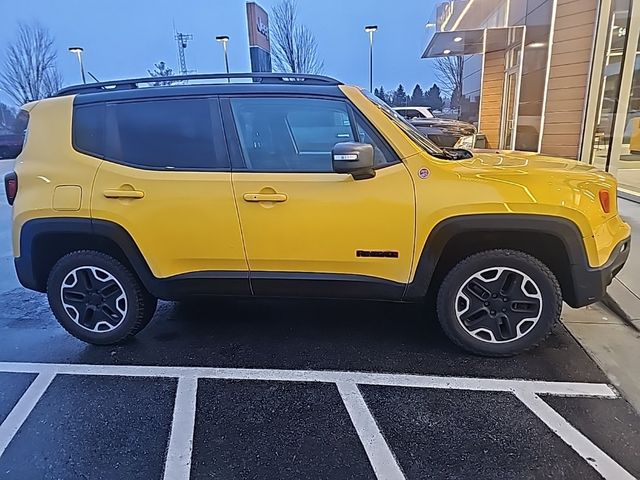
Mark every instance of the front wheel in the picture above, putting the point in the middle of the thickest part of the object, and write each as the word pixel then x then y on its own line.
pixel 499 303
pixel 97 299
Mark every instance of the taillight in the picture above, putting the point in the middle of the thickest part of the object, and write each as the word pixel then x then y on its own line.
pixel 605 200
pixel 11 186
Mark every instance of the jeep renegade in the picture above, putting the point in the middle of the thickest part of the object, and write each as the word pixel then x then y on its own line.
pixel 296 186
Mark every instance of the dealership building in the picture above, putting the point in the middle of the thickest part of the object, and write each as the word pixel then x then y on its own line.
pixel 555 77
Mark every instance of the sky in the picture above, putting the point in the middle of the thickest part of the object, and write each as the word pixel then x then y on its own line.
pixel 124 38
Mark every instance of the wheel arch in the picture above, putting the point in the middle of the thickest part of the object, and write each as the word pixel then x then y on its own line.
pixel 44 241
pixel 554 241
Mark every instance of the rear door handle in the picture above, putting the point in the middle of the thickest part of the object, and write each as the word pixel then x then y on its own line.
pixel 119 193
pixel 265 197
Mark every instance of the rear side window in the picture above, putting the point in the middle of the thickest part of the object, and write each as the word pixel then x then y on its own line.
pixel 89 129
pixel 13 138
pixel 176 134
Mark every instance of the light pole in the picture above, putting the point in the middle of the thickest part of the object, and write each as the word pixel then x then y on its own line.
pixel 78 51
pixel 225 39
pixel 370 29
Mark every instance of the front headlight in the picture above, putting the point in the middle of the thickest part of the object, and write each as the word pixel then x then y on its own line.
pixel 468 142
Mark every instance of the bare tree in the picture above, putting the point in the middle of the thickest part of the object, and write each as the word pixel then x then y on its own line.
pixel 449 72
pixel 30 71
pixel 294 47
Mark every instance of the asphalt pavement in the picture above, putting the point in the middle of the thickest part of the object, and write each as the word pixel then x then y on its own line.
pixel 279 389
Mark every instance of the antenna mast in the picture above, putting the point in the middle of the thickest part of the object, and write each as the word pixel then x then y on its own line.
pixel 183 39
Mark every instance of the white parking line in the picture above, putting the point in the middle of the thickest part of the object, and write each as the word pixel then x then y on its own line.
pixel 22 409
pixel 595 457
pixel 178 462
pixel 380 456
pixel 360 378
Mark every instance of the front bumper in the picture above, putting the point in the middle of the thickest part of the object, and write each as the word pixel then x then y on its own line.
pixel 590 284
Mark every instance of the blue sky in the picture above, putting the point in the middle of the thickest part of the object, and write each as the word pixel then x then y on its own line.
pixel 122 38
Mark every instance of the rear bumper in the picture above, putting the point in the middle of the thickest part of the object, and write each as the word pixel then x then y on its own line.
pixel 590 284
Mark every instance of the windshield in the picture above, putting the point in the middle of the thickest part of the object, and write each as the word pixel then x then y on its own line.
pixel 412 132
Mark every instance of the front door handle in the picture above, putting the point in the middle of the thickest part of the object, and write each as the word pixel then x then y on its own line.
pixel 121 193
pixel 265 197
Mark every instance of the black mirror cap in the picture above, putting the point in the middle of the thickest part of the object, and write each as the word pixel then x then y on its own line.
pixel 353 158
pixel 458 153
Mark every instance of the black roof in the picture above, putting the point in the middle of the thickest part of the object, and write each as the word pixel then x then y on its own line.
pixel 261 83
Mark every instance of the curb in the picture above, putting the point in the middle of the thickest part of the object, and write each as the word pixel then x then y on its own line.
pixel 615 307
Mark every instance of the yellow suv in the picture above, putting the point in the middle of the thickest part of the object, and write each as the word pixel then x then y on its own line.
pixel 296 186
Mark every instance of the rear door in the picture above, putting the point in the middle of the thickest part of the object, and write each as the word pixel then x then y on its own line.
pixel 166 179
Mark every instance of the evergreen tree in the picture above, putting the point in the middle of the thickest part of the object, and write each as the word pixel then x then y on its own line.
pixel 161 70
pixel 381 94
pixel 433 98
pixel 417 97
pixel 400 97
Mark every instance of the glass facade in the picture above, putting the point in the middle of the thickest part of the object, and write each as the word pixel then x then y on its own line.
pixel 616 141
pixel 521 30
pixel 561 77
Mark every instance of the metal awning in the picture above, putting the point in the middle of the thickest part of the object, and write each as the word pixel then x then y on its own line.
pixel 470 42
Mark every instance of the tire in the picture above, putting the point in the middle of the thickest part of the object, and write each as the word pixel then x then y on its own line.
pixel 97 299
pixel 482 310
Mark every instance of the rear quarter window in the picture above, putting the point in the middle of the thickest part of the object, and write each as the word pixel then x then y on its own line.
pixel 89 130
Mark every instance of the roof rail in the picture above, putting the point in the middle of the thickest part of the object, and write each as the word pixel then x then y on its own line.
pixel 265 78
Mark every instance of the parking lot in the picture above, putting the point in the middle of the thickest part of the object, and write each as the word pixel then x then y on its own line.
pixel 240 388
pixel 289 389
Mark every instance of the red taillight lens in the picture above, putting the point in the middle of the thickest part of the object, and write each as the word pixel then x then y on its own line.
pixel 605 200
pixel 11 186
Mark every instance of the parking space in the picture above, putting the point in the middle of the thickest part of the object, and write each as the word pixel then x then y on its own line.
pixel 239 388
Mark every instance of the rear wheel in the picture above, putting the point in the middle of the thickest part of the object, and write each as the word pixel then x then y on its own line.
pixel 499 303
pixel 97 299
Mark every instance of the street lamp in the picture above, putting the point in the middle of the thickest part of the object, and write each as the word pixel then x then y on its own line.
pixel 78 51
pixel 370 29
pixel 225 39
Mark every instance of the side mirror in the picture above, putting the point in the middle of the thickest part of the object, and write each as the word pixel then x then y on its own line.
pixel 458 153
pixel 354 158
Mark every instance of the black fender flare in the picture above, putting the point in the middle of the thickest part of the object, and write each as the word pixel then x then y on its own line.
pixel 564 230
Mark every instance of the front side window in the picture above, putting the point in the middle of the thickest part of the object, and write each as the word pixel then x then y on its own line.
pixel 298 134
pixel 162 134
pixel 290 134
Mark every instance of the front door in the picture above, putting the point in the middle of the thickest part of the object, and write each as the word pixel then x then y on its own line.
pixel 166 180
pixel 308 230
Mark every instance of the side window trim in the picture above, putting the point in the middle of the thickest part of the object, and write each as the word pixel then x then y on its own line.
pixel 232 139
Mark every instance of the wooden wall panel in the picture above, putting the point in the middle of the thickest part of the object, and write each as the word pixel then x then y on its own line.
pixel 491 97
pixel 569 76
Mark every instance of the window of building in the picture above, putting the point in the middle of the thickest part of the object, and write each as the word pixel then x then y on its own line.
pixel 295 134
pixel 623 149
